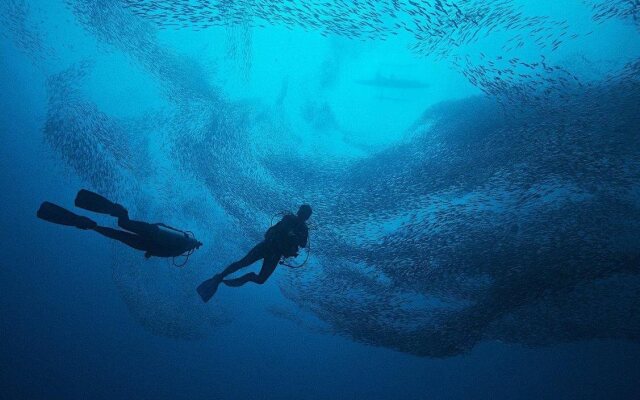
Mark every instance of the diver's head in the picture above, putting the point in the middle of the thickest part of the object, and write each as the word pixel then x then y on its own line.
pixel 304 212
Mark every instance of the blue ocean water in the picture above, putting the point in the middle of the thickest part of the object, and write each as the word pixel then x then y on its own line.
pixel 473 167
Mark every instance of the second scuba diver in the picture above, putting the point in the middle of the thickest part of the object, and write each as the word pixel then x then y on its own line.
pixel 281 240
pixel 157 240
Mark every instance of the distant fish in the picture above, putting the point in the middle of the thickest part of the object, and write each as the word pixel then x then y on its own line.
pixel 380 81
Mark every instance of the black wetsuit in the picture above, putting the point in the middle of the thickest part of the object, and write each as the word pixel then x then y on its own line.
pixel 158 240
pixel 153 239
pixel 281 240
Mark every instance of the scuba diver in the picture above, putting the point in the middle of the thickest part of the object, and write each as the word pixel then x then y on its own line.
pixel 157 240
pixel 280 241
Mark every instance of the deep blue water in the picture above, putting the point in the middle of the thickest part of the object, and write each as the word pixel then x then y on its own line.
pixel 474 169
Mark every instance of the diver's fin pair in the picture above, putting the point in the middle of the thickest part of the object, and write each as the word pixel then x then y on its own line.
pixel 208 288
pixel 87 200
pixel 94 202
pixel 58 215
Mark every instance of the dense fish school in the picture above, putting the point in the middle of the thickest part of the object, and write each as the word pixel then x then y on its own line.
pixel 511 216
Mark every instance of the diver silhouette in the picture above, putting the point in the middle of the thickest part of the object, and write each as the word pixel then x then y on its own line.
pixel 157 240
pixel 281 240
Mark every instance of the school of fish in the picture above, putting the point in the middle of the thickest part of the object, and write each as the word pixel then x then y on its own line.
pixel 513 216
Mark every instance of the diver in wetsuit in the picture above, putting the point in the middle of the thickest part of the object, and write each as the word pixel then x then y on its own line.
pixel 157 240
pixel 281 240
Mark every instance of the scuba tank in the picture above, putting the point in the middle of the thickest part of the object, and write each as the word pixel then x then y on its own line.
pixel 175 243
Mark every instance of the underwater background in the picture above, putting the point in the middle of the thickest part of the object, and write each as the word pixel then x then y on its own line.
pixel 473 166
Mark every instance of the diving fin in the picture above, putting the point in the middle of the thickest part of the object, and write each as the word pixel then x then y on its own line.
pixel 208 288
pixel 94 202
pixel 58 215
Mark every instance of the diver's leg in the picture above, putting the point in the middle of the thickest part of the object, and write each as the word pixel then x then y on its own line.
pixel 139 227
pixel 127 238
pixel 258 252
pixel 208 288
pixel 268 266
